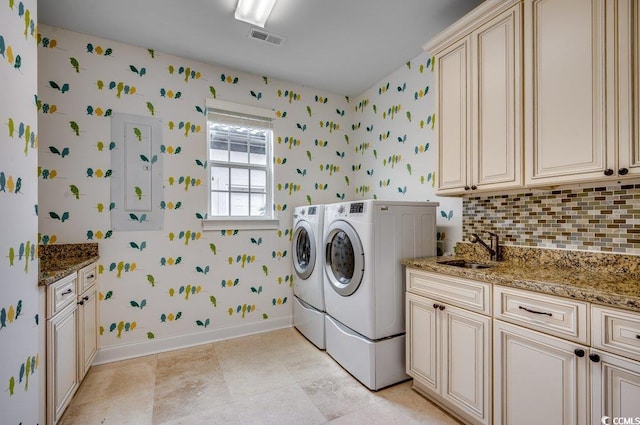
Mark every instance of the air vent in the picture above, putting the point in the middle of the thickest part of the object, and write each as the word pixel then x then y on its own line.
pixel 267 37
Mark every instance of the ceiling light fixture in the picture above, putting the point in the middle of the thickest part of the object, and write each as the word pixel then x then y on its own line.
pixel 254 12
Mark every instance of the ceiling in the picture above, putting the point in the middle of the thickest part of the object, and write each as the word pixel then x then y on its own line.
pixel 342 46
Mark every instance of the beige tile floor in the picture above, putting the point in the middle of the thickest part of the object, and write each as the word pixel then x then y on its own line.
pixel 274 378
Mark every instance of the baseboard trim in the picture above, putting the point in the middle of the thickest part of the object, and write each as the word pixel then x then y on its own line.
pixel 155 346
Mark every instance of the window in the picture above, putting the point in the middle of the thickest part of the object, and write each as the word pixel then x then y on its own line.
pixel 239 146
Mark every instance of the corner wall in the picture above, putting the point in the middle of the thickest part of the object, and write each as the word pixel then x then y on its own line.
pixel 178 286
pixel 21 357
pixel 393 145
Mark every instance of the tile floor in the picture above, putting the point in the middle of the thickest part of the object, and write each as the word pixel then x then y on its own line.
pixel 274 378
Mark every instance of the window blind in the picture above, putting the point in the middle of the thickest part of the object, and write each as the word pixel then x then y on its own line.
pixel 241 115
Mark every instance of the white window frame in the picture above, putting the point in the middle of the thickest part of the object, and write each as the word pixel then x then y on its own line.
pixel 241 114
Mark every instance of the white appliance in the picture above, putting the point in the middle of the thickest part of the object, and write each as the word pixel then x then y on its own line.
pixel 308 281
pixel 364 283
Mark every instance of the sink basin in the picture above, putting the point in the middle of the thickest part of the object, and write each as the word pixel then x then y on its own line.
pixel 465 264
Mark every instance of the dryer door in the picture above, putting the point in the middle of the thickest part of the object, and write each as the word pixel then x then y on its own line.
pixel 304 249
pixel 344 258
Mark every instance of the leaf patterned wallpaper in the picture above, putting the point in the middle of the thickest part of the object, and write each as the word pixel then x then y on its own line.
pixel 180 285
pixel 21 321
pixel 393 147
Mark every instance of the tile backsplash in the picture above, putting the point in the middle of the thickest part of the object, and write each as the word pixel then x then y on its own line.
pixel 605 219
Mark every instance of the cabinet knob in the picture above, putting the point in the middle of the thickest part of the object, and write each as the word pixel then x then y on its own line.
pixel 623 171
pixel 441 307
pixel 474 187
pixel 80 302
pixel 594 358
pixel 579 352
pixel 435 306
pixel 86 298
pixel 608 172
pixel 467 188
pixel 637 336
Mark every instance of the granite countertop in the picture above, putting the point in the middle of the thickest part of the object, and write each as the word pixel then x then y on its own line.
pixel 61 260
pixel 605 279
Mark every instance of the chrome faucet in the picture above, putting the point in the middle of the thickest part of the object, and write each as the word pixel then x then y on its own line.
pixel 494 249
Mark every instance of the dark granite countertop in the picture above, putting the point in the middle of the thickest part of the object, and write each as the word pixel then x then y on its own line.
pixel 61 260
pixel 606 279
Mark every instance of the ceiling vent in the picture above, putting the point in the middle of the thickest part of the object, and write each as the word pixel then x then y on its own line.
pixel 268 37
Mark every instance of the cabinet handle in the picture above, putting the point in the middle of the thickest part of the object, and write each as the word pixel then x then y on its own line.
pixel 467 188
pixel 637 336
pixel 474 187
pixel 441 307
pixel 623 171
pixel 435 306
pixel 535 312
pixel 594 358
pixel 608 172
pixel 91 276
pixel 80 302
pixel 86 298
pixel 579 352
pixel 67 292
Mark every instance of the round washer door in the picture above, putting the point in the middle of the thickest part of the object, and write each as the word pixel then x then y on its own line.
pixel 304 249
pixel 344 259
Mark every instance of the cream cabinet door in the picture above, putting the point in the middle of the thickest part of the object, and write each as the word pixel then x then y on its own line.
pixel 62 369
pixel 423 359
pixel 624 61
pixel 615 387
pixel 497 109
pixel 479 127
pixel 449 356
pixel 538 379
pixel 466 362
pixel 452 77
pixel 565 92
pixel 88 322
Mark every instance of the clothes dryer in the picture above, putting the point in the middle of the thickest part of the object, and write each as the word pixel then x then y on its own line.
pixel 308 281
pixel 364 282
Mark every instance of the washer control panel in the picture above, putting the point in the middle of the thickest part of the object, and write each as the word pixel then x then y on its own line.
pixel 356 208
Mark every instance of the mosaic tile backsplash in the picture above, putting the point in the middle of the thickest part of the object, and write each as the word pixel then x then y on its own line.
pixel 605 219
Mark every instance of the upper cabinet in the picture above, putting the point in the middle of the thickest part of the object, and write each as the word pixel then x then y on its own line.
pixel 566 132
pixel 582 91
pixel 479 100
pixel 578 120
pixel 626 66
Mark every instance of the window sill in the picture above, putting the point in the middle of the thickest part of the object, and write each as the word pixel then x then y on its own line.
pixel 240 224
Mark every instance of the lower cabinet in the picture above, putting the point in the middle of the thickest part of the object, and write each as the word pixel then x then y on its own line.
pixel 538 379
pixel 87 330
pixel 506 356
pixel 615 387
pixel 615 364
pixel 72 336
pixel 449 357
pixel 62 371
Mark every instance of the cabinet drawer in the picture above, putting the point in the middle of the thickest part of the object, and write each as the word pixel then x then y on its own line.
pixel 616 331
pixel 60 294
pixel 463 293
pixel 87 277
pixel 557 316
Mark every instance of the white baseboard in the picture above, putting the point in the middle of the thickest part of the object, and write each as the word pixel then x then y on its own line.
pixel 155 346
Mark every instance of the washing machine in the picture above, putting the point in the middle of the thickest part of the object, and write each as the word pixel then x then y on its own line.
pixel 308 281
pixel 364 285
